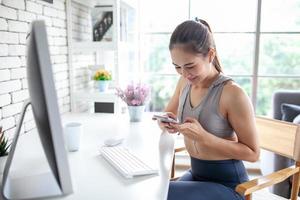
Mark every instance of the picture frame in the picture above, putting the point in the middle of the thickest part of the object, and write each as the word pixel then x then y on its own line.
pixel 102 22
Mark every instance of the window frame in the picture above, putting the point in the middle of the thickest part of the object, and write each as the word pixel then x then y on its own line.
pixel 255 76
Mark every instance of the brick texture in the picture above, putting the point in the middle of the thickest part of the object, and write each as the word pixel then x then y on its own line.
pixel 15 19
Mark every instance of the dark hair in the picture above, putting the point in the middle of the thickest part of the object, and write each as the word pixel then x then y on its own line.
pixel 197 37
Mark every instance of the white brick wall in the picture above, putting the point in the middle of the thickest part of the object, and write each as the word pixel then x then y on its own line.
pixel 18 73
pixel 59 23
pixel 3 49
pixel 26 16
pixel 34 7
pixel 48 20
pixel 11 109
pixel 9 86
pixel 5 99
pixel 29 125
pixel 16 26
pixel 10 62
pixel 24 84
pixel 51 12
pixel 9 37
pixel 3 24
pixel 19 4
pixel 7 123
pixel 15 19
pixel 22 38
pixel 7 12
pixel 4 75
pixel 16 50
pixel 19 96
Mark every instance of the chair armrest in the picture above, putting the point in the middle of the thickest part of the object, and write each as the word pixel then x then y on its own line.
pixel 265 181
pixel 179 149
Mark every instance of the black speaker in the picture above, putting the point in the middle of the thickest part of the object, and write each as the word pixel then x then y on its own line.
pixel 104 107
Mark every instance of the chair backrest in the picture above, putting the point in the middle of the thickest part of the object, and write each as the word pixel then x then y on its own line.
pixel 279 137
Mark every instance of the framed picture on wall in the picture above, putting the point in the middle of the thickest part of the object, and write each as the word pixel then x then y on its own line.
pixel 49 1
pixel 102 21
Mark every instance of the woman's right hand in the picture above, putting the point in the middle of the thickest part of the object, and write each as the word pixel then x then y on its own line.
pixel 165 125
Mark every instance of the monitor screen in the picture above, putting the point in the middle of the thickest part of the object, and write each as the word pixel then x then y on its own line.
pixel 43 99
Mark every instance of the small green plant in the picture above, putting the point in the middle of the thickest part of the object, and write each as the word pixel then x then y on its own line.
pixel 102 75
pixel 4 145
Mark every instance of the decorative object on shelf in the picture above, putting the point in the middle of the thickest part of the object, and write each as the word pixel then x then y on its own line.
pixel 4 145
pixel 135 96
pixel 102 21
pixel 103 77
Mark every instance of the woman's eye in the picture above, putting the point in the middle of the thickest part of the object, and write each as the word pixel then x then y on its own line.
pixel 178 68
pixel 189 68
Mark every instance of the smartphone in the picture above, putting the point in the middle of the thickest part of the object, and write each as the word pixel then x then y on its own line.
pixel 165 119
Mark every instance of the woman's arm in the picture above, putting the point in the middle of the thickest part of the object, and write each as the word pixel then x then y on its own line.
pixel 174 101
pixel 171 108
pixel 241 116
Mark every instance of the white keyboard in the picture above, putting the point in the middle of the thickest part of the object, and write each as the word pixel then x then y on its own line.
pixel 125 162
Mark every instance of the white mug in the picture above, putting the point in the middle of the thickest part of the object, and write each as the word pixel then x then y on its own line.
pixel 73 132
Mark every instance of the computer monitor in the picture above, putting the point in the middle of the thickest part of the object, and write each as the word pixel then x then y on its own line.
pixel 43 99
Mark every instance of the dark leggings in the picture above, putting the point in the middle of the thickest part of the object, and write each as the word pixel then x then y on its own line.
pixel 209 180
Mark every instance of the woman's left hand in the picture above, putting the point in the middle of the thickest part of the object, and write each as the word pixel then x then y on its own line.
pixel 191 128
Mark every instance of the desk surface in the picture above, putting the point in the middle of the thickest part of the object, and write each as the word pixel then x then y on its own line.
pixel 93 177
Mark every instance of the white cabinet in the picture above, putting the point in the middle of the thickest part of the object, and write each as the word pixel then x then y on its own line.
pixel 117 51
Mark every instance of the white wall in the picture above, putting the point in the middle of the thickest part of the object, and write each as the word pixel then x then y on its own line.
pixel 15 17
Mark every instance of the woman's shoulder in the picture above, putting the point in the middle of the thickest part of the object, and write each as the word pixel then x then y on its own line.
pixel 182 83
pixel 233 91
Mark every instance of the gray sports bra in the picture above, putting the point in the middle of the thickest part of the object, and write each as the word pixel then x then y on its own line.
pixel 207 112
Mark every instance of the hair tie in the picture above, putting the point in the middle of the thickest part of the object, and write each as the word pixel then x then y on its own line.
pixel 203 22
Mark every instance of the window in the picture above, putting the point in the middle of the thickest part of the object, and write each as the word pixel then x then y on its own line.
pixel 262 67
pixel 279 52
pixel 157 23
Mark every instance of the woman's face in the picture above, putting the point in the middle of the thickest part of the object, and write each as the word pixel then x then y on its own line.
pixel 193 67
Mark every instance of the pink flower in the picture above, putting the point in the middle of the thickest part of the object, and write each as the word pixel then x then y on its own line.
pixel 134 95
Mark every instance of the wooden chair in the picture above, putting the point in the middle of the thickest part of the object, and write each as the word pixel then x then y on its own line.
pixel 281 138
pixel 176 150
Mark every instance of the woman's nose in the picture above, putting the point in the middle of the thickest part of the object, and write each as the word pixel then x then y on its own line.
pixel 185 73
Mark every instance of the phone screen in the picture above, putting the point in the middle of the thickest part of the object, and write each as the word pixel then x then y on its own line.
pixel 165 119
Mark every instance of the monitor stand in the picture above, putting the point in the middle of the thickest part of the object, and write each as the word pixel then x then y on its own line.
pixel 30 187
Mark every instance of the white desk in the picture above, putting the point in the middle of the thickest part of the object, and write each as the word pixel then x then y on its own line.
pixel 92 176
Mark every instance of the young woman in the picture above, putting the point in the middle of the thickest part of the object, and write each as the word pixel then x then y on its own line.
pixel 216 118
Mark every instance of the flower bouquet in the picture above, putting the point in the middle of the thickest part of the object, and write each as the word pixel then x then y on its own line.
pixel 103 77
pixel 135 96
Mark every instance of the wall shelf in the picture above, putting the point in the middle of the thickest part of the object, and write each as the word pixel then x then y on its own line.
pixel 90 47
pixel 118 51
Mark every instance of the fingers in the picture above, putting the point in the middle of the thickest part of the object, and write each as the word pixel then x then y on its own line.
pixel 166 126
pixel 171 128
pixel 170 114
pixel 181 127
pixel 190 119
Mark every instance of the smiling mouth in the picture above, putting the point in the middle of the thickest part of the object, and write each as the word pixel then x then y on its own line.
pixel 191 79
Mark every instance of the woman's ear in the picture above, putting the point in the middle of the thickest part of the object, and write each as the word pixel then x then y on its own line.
pixel 211 55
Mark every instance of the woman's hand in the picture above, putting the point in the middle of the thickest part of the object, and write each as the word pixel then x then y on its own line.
pixel 167 126
pixel 191 128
